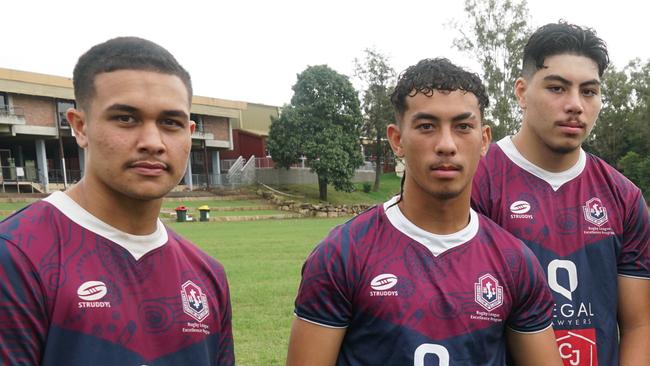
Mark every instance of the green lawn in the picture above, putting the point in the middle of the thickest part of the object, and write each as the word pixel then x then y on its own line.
pixel 389 186
pixel 263 261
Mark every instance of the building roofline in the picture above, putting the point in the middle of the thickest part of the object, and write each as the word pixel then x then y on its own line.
pixel 29 77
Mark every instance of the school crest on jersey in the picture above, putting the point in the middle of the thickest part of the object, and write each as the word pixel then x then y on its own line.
pixel 488 293
pixel 595 212
pixel 195 303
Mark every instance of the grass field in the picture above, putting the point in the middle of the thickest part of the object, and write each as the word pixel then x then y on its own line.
pixel 389 186
pixel 263 261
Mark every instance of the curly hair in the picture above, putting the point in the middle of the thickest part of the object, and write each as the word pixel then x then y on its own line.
pixel 123 53
pixel 563 38
pixel 436 74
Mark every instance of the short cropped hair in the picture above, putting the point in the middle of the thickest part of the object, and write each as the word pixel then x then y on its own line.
pixel 563 38
pixel 123 53
pixel 429 75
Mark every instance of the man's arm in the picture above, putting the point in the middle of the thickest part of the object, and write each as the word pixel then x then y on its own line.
pixel 24 321
pixel 534 349
pixel 313 345
pixel 634 320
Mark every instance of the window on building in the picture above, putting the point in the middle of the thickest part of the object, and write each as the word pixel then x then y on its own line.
pixel 4 103
pixel 198 119
pixel 62 107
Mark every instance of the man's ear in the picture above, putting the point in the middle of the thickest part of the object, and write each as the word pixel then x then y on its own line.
pixel 77 119
pixel 486 138
pixel 395 139
pixel 520 92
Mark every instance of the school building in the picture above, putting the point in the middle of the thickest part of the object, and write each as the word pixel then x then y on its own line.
pixel 38 151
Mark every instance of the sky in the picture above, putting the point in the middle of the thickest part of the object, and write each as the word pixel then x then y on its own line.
pixel 252 50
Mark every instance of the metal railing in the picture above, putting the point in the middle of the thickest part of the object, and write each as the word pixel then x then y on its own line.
pixel 56 176
pixel 12 111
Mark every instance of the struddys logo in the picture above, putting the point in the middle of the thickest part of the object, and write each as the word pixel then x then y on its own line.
pixel 195 303
pixel 91 292
pixel 520 209
pixel 595 212
pixel 382 285
pixel 577 346
pixel 488 293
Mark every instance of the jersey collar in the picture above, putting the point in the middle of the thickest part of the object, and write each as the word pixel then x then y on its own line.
pixel 555 180
pixel 137 245
pixel 437 244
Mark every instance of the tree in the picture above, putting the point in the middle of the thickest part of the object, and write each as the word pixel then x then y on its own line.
pixel 495 34
pixel 378 78
pixel 322 123
pixel 609 137
pixel 623 121
pixel 637 169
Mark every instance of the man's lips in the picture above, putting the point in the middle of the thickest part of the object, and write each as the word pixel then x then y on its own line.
pixel 149 167
pixel 571 126
pixel 445 170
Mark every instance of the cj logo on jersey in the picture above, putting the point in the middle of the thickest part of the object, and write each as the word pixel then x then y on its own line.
pixel 577 346
pixel 488 293
pixel 195 303
pixel 382 283
pixel 90 292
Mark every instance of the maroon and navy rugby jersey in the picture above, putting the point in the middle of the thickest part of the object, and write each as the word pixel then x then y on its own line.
pixel 76 291
pixel 587 226
pixel 408 297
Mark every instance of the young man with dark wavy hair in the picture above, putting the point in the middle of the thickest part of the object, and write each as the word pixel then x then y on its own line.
pixel 587 224
pixel 91 276
pixel 423 277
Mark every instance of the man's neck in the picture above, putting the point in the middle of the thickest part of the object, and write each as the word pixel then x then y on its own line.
pixel 536 152
pixel 437 216
pixel 129 215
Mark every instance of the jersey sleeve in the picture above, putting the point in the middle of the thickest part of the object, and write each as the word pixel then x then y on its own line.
pixel 226 356
pixel 23 314
pixel 533 309
pixel 324 295
pixel 634 260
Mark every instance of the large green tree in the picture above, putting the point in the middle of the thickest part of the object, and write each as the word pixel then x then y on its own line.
pixel 495 33
pixel 322 123
pixel 378 79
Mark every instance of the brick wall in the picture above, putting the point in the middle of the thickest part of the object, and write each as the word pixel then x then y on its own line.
pixel 218 126
pixel 39 111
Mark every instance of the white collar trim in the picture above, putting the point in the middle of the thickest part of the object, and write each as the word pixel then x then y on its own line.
pixel 437 244
pixel 555 180
pixel 137 245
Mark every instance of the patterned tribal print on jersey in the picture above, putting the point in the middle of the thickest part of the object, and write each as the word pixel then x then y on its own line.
pixel 77 292
pixel 406 296
pixel 587 226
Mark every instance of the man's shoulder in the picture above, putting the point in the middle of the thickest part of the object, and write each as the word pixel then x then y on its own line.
pixel 356 228
pixel 33 220
pixel 500 236
pixel 192 251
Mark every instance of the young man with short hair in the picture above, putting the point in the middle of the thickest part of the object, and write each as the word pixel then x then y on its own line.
pixel 587 224
pixel 91 276
pixel 422 277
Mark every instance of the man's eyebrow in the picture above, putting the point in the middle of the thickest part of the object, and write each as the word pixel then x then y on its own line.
pixel 569 82
pixel 117 107
pixel 122 108
pixel 423 115
pixel 462 116
pixel 557 78
pixel 175 113
pixel 433 118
